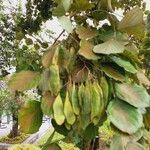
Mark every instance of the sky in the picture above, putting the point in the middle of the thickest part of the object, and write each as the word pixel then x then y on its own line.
pixel 54 25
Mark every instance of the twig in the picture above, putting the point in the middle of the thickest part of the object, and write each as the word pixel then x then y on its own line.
pixel 58 37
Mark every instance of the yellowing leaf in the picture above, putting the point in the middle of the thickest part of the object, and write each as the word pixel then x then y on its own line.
pixel 124 116
pixel 47 58
pixel 109 47
pixel 85 33
pixel 133 94
pixel 68 111
pixel 58 110
pixel 24 80
pixel 47 102
pixel 86 50
pixel 30 117
pixel 66 23
pixel 133 23
pixel 113 73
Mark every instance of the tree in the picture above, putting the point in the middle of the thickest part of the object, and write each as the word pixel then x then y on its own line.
pixel 91 76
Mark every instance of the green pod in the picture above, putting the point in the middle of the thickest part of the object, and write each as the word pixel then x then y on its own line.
pixel 54 80
pixel 58 110
pixel 105 88
pixel 95 102
pixel 75 100
pixel 68 111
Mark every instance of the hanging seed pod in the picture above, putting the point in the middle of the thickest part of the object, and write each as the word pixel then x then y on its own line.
pixel 105 89
pixel 95 102
pixel 68 111
pixel 75 100
pixel 58 110
pixel 54 80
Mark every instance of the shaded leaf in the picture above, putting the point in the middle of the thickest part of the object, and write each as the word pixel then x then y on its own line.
pixel 124 116
pixel 113 73
pixel 66 23
pixel 133 94
pixel 30 117
pixel 24 80
pixel 86 50
pixel 124 63
pixel 133 23
pixel 109 47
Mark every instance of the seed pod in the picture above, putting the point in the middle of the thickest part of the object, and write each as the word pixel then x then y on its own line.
pixel 58 110
pixel 54 80
pixel 68 111
pixel 75 100
pixel 105 89
pixel 47 102
pixel 95 102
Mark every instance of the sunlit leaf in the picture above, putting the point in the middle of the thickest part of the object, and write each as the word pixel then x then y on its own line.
pixel 86 50
pixel 24 80
pixel 124 63
pixel 109 47
pixel 66 23
pixel 30 117
pixel 133 23
pixel 124 116
pixel 133 94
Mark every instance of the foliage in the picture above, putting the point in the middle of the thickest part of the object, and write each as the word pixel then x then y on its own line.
pixel 16 140
pixel 24 147
pixel 92 75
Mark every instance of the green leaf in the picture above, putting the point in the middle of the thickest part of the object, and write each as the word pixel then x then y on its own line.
pixel 66 23
pixel 134 146
pixel 90 132
pixel 86 50
pixel 30 117
pixel 133 94
pixel 125 117
pixel 112 72
pixel 59 10
pixel 133 23
pixel 124 63
pixel 109 47
pixel 24 80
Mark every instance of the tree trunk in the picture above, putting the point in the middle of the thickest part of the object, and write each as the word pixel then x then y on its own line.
pixel 14 132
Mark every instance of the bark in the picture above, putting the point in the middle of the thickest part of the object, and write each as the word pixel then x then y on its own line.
pixel 14 132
